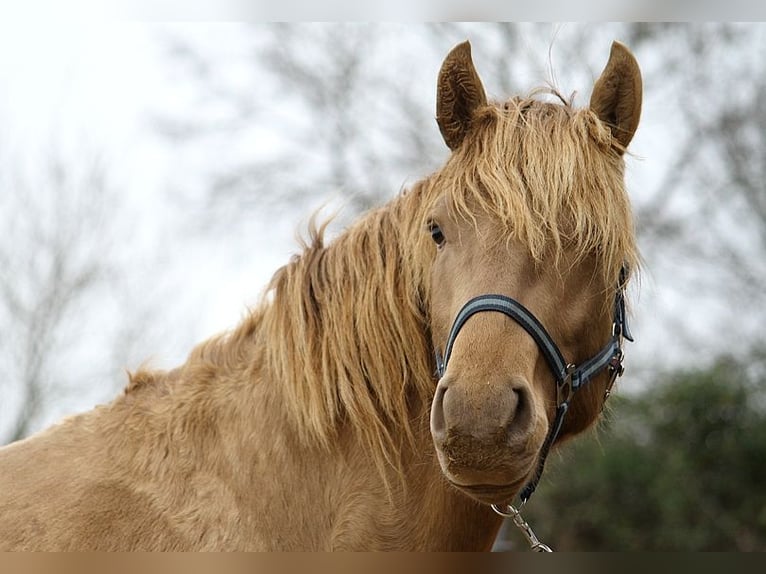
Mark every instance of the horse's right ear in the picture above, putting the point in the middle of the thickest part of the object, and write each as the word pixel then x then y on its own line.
pixel 616 97
pixel 458 94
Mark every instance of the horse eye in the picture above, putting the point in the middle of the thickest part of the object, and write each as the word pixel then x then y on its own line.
pixel 436 234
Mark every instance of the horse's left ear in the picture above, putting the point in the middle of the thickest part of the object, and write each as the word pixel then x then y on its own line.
pixel 616 97
pixel 458 94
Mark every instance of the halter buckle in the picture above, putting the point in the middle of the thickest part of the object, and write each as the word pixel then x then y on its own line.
pixel 616 369
pixel 565 389
pixel 615 365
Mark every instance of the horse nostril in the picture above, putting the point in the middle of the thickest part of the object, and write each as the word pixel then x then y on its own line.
pixel 513 404
pixel 520 415
pixel 438 424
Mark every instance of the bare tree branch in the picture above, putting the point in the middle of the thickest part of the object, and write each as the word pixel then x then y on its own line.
pixel 54 256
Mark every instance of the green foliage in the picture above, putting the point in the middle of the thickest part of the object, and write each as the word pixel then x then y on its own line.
pixel 682 466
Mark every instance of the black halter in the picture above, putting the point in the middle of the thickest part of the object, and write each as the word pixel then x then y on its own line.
pixel 569 377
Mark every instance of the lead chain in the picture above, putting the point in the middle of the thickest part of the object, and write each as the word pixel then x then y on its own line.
pixel 511 512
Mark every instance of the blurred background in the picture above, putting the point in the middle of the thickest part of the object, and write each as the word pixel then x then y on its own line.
pixel 154 176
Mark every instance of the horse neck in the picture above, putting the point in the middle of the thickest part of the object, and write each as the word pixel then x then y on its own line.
pixel 301 493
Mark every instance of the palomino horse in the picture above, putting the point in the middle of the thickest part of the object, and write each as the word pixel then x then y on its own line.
pixel 392 384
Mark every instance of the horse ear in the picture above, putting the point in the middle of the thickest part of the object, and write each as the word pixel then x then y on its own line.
pixel 616 97
pixel 458 94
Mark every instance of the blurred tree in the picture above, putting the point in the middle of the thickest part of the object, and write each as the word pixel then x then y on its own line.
pixel 49 261
pixel 324 114
pixel 679 467
pixel 68 315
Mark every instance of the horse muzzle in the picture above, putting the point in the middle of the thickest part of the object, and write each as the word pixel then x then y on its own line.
pixel 487 435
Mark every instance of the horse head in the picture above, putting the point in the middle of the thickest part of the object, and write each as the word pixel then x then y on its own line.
pixel 531 214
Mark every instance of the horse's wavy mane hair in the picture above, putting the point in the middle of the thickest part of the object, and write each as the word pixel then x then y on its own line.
pixel 347 330
pixel 344 326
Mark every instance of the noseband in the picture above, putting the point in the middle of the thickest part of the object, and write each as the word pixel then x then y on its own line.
pixel 569 377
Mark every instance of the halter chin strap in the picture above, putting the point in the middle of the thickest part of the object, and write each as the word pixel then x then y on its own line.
pixel 569 377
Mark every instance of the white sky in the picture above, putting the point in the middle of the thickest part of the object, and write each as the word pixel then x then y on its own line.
pixel 62 79
pixel 96 87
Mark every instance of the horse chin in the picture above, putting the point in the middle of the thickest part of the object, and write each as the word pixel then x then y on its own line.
pixel 498 486
pixel 491 493
pixel 491 473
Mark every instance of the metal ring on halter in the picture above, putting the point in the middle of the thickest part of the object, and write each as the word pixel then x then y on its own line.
pixel 518 520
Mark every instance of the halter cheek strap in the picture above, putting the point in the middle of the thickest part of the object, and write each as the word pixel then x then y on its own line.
pixel 569 377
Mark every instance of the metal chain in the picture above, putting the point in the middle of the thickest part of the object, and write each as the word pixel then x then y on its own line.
pixel 511 512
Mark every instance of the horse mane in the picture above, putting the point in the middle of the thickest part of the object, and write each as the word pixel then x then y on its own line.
pixel 343 328
pixel 346 330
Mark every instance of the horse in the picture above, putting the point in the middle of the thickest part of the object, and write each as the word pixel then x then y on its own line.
pixel 392 383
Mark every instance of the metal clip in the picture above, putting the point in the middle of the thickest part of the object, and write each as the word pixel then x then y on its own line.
pixel 518 520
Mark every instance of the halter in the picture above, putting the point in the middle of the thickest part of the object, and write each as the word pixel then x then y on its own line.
pixel 569 377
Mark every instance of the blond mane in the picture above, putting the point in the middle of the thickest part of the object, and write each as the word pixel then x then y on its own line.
pixel 347 330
